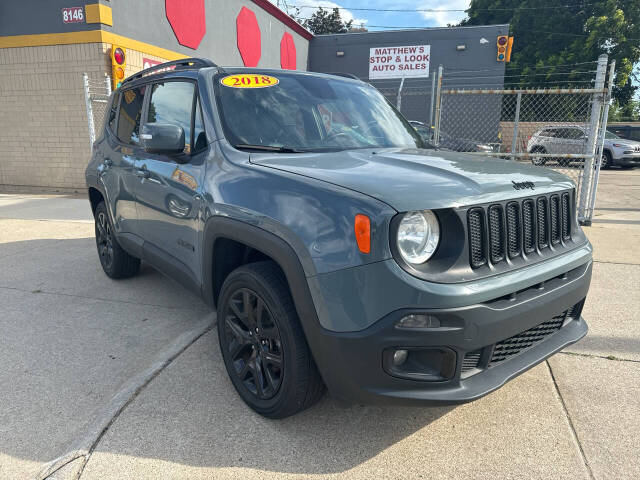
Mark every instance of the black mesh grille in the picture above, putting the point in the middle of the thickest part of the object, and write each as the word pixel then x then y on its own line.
pixel 502 232
pixel 470 361
pixel 513 230
pixel 529 226
pixel 543 231
pixel 556 224
pixel 476 238
pixel 527 339
pixel 566 217
pixel 496 234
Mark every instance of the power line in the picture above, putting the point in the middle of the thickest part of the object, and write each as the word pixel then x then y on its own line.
pixel 443 10
pixel 396 27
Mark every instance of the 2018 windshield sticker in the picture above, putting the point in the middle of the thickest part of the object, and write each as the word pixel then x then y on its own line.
pixel 249 81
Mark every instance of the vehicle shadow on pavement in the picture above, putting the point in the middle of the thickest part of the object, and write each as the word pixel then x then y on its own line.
pixel 191 415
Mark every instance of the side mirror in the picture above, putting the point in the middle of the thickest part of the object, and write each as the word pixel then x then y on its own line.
pixel 162 138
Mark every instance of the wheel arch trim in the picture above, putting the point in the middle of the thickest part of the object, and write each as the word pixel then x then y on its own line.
pixel 267 243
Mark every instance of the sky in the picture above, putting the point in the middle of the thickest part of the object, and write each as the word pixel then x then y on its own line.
pixel 371 20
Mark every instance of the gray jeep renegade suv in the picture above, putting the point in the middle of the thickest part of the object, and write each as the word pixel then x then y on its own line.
pixel 337 250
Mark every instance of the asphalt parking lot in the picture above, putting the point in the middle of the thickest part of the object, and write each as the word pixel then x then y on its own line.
pixel 123 379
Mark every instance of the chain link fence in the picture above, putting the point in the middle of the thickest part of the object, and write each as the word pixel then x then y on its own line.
pixel 96 96
pixel 560 128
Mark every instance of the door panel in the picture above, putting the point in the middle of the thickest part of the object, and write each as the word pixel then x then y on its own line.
pixel 168 202
pixel 117 172
pixel 168 193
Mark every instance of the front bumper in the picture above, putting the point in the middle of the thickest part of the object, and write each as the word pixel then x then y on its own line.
pixel 351 363
pixel 629 160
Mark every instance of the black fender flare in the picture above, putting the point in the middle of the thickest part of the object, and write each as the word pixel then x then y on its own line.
pixel 269 244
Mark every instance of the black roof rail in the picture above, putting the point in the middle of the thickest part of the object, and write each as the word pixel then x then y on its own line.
pixel 182 64
pixel 344 74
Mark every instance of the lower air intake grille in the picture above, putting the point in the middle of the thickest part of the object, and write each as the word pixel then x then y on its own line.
pixel 518 343
pixel 470 361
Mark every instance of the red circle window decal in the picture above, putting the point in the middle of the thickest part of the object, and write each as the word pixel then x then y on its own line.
pixel 248 37
pixel 287 52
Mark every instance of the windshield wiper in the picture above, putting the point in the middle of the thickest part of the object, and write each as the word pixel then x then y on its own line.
pixel 268 148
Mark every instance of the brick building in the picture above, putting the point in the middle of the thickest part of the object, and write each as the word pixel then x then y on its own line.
pixel 46 45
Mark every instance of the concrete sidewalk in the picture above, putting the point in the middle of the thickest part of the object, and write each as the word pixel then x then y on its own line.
pixel 74 343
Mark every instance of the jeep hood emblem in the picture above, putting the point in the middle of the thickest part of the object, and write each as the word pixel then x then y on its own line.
pixel 523 185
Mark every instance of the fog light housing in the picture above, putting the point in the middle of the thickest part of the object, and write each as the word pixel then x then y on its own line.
pixel 418 320
pixel 399 357
pixel 429 364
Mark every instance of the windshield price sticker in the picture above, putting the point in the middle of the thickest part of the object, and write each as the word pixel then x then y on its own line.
pixel 249 81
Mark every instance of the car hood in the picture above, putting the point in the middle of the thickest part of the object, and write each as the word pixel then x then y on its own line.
pixel 414 179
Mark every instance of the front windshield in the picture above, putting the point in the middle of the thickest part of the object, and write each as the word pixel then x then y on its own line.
pixel 608 134
pixel 311 113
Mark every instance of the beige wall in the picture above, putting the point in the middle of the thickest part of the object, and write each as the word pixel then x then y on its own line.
pixel 44 134
pixel 44 138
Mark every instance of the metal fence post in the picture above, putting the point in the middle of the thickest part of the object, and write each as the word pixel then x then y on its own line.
pixel 602 132
pixel 87 100
pixel 107 82
pixel 433 93
pixel 596 110
pixel 514 142
pixel 436 132
pixel 399 101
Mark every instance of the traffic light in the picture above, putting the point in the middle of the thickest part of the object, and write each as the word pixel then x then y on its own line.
pixel 118 64
pixel 509 47
pixel 503 41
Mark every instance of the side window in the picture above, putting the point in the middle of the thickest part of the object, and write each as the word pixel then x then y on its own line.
pixel 112 113
pixel 130 112
pixel 199 135
pixel 575 134
pixel 171 102
pixel 548 133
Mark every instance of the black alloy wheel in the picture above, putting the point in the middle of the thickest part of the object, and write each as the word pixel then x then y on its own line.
pixel 253 343
pixel 104 239
pixel 115 261
pixel 264 349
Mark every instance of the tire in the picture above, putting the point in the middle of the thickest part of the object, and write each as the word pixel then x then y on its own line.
pixel 266 353
pixel 538 161
pixel 607 161
pixel 115 262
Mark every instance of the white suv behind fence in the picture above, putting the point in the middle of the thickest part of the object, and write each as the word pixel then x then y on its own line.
pixel 573 139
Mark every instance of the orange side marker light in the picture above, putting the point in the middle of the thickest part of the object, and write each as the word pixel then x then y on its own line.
pixel 363 233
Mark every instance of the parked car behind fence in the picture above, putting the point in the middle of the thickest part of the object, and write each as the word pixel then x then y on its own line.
pixel 573 139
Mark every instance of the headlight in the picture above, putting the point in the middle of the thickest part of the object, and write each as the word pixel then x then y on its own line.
pixel 418 235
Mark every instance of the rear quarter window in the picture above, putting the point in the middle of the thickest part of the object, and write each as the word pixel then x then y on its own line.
pixel 128 125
